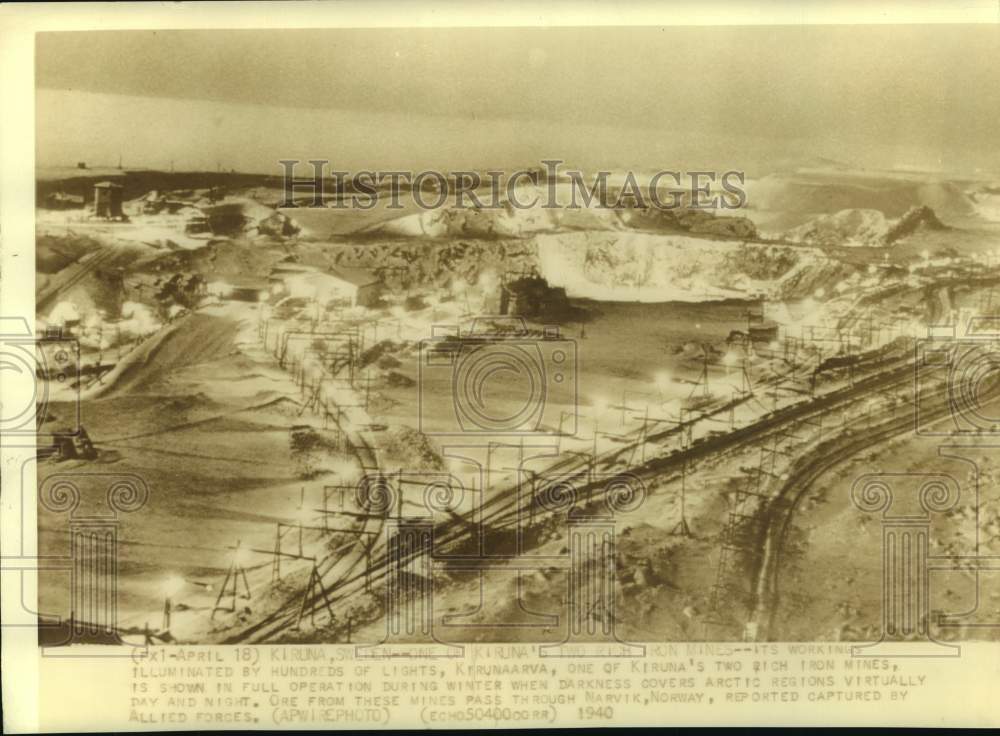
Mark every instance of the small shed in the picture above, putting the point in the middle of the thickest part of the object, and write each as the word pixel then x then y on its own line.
pixel 108 200
pixel 362 285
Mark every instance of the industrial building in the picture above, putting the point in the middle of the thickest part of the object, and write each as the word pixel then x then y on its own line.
pixel 531 296
pixel 356 287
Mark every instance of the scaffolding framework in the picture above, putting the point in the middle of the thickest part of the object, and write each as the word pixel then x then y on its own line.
pixel 230 586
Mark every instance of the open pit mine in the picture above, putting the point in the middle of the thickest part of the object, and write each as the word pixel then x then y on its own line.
pixel 576 428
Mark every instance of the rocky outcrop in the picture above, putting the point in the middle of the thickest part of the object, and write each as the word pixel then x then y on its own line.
pixel 646 267
pixel 864 228
pixel 278 225
pixel 916 218
pixel 686 220
pixel 857 227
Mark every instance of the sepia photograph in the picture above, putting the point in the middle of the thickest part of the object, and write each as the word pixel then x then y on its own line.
pixel 585 343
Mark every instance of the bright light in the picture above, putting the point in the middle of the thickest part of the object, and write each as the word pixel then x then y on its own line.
pixel 64 312
pixel 173 585
pixel 663 379
pixel 220 289
pixel 345 469
pixel 303 515
pixel 488 281
pixel 241 557
pixel 600 404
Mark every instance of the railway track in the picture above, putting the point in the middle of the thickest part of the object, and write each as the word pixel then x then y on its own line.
pixel 500 511
pixel 82 268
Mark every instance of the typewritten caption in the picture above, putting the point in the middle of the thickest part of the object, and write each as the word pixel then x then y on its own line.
pixel 266 686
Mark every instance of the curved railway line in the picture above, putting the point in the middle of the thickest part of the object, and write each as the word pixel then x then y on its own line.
pixel 781 509
pixel 341 579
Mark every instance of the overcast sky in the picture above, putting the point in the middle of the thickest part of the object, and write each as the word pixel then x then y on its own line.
pixel 746 98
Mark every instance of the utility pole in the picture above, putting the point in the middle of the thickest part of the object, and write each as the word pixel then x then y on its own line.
pixel 682 529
